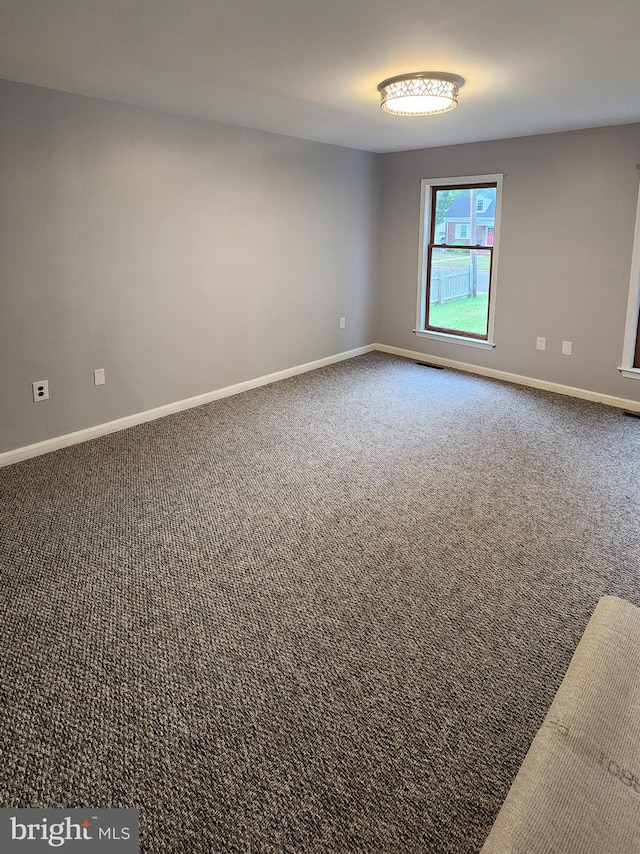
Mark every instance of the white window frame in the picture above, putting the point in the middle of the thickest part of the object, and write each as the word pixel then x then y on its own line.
pixel 633 308
pixel 459 227
pixel 425 222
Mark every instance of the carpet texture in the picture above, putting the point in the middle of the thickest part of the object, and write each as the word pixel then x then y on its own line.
pixel 327 615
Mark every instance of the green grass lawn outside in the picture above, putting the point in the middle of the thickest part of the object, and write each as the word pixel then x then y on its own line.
pixel 455 259
pixel 468 314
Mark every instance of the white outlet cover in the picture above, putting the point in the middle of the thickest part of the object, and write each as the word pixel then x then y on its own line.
pixel 541 343
pixel 99 377
pixel 567 348
pixel 40 390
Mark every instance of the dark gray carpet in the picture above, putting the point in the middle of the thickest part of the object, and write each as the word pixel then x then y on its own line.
pixel 327 615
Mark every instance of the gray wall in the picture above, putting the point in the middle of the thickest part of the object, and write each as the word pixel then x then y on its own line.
pixel 568 216
pixel 180 255
pixel 183 256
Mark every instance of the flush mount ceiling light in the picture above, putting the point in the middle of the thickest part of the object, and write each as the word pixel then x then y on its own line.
pixel 420 94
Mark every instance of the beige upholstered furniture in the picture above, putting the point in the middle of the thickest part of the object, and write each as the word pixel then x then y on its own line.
pixel 578 789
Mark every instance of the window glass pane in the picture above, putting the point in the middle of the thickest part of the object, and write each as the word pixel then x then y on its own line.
pixel 459 290
pixel 457 212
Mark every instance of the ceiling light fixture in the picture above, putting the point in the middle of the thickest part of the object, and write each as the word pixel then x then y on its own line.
pixel 420 94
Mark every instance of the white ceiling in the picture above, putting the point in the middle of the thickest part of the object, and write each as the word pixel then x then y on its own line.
pixel 310 69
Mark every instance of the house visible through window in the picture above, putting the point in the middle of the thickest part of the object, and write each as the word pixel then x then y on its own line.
pixel 460 219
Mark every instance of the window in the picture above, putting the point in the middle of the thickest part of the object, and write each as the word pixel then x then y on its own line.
pixel 459 248
pixel 631 353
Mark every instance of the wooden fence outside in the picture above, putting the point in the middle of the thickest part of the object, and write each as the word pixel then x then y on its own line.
pixel 450 284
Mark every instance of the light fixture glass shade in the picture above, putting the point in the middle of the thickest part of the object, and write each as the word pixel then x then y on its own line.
pixel 420 94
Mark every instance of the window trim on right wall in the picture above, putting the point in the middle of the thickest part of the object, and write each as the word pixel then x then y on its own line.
pixel 630 366
pixel 427 185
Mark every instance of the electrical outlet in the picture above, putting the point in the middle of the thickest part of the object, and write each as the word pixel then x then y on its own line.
pixel 40 390
pixel 343 322
pixel 567 348
pixel 99 377
pixel 541 343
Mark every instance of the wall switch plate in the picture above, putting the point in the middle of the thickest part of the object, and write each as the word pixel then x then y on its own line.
pixel 567 348
pixel 541 343
pixel 343 322
pixel 99 377
pixel 40 390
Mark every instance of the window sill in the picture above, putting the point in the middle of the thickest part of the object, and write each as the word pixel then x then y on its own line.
pixel 630 373
pixel 455 339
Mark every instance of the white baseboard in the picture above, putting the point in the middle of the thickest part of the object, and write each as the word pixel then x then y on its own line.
pixel 18 454
pixel 532 382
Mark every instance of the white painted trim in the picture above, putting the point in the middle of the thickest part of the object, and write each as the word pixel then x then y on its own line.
pixel 495 258
pixel 15 456
pixel 630 373
pixel 518 379
pixel 633 303
pixel 18 454
pixel 464 179
pixel 425 217
pixel 478 343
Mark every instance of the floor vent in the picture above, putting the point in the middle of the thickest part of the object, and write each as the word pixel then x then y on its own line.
pixel 632 414
pixel 429 365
